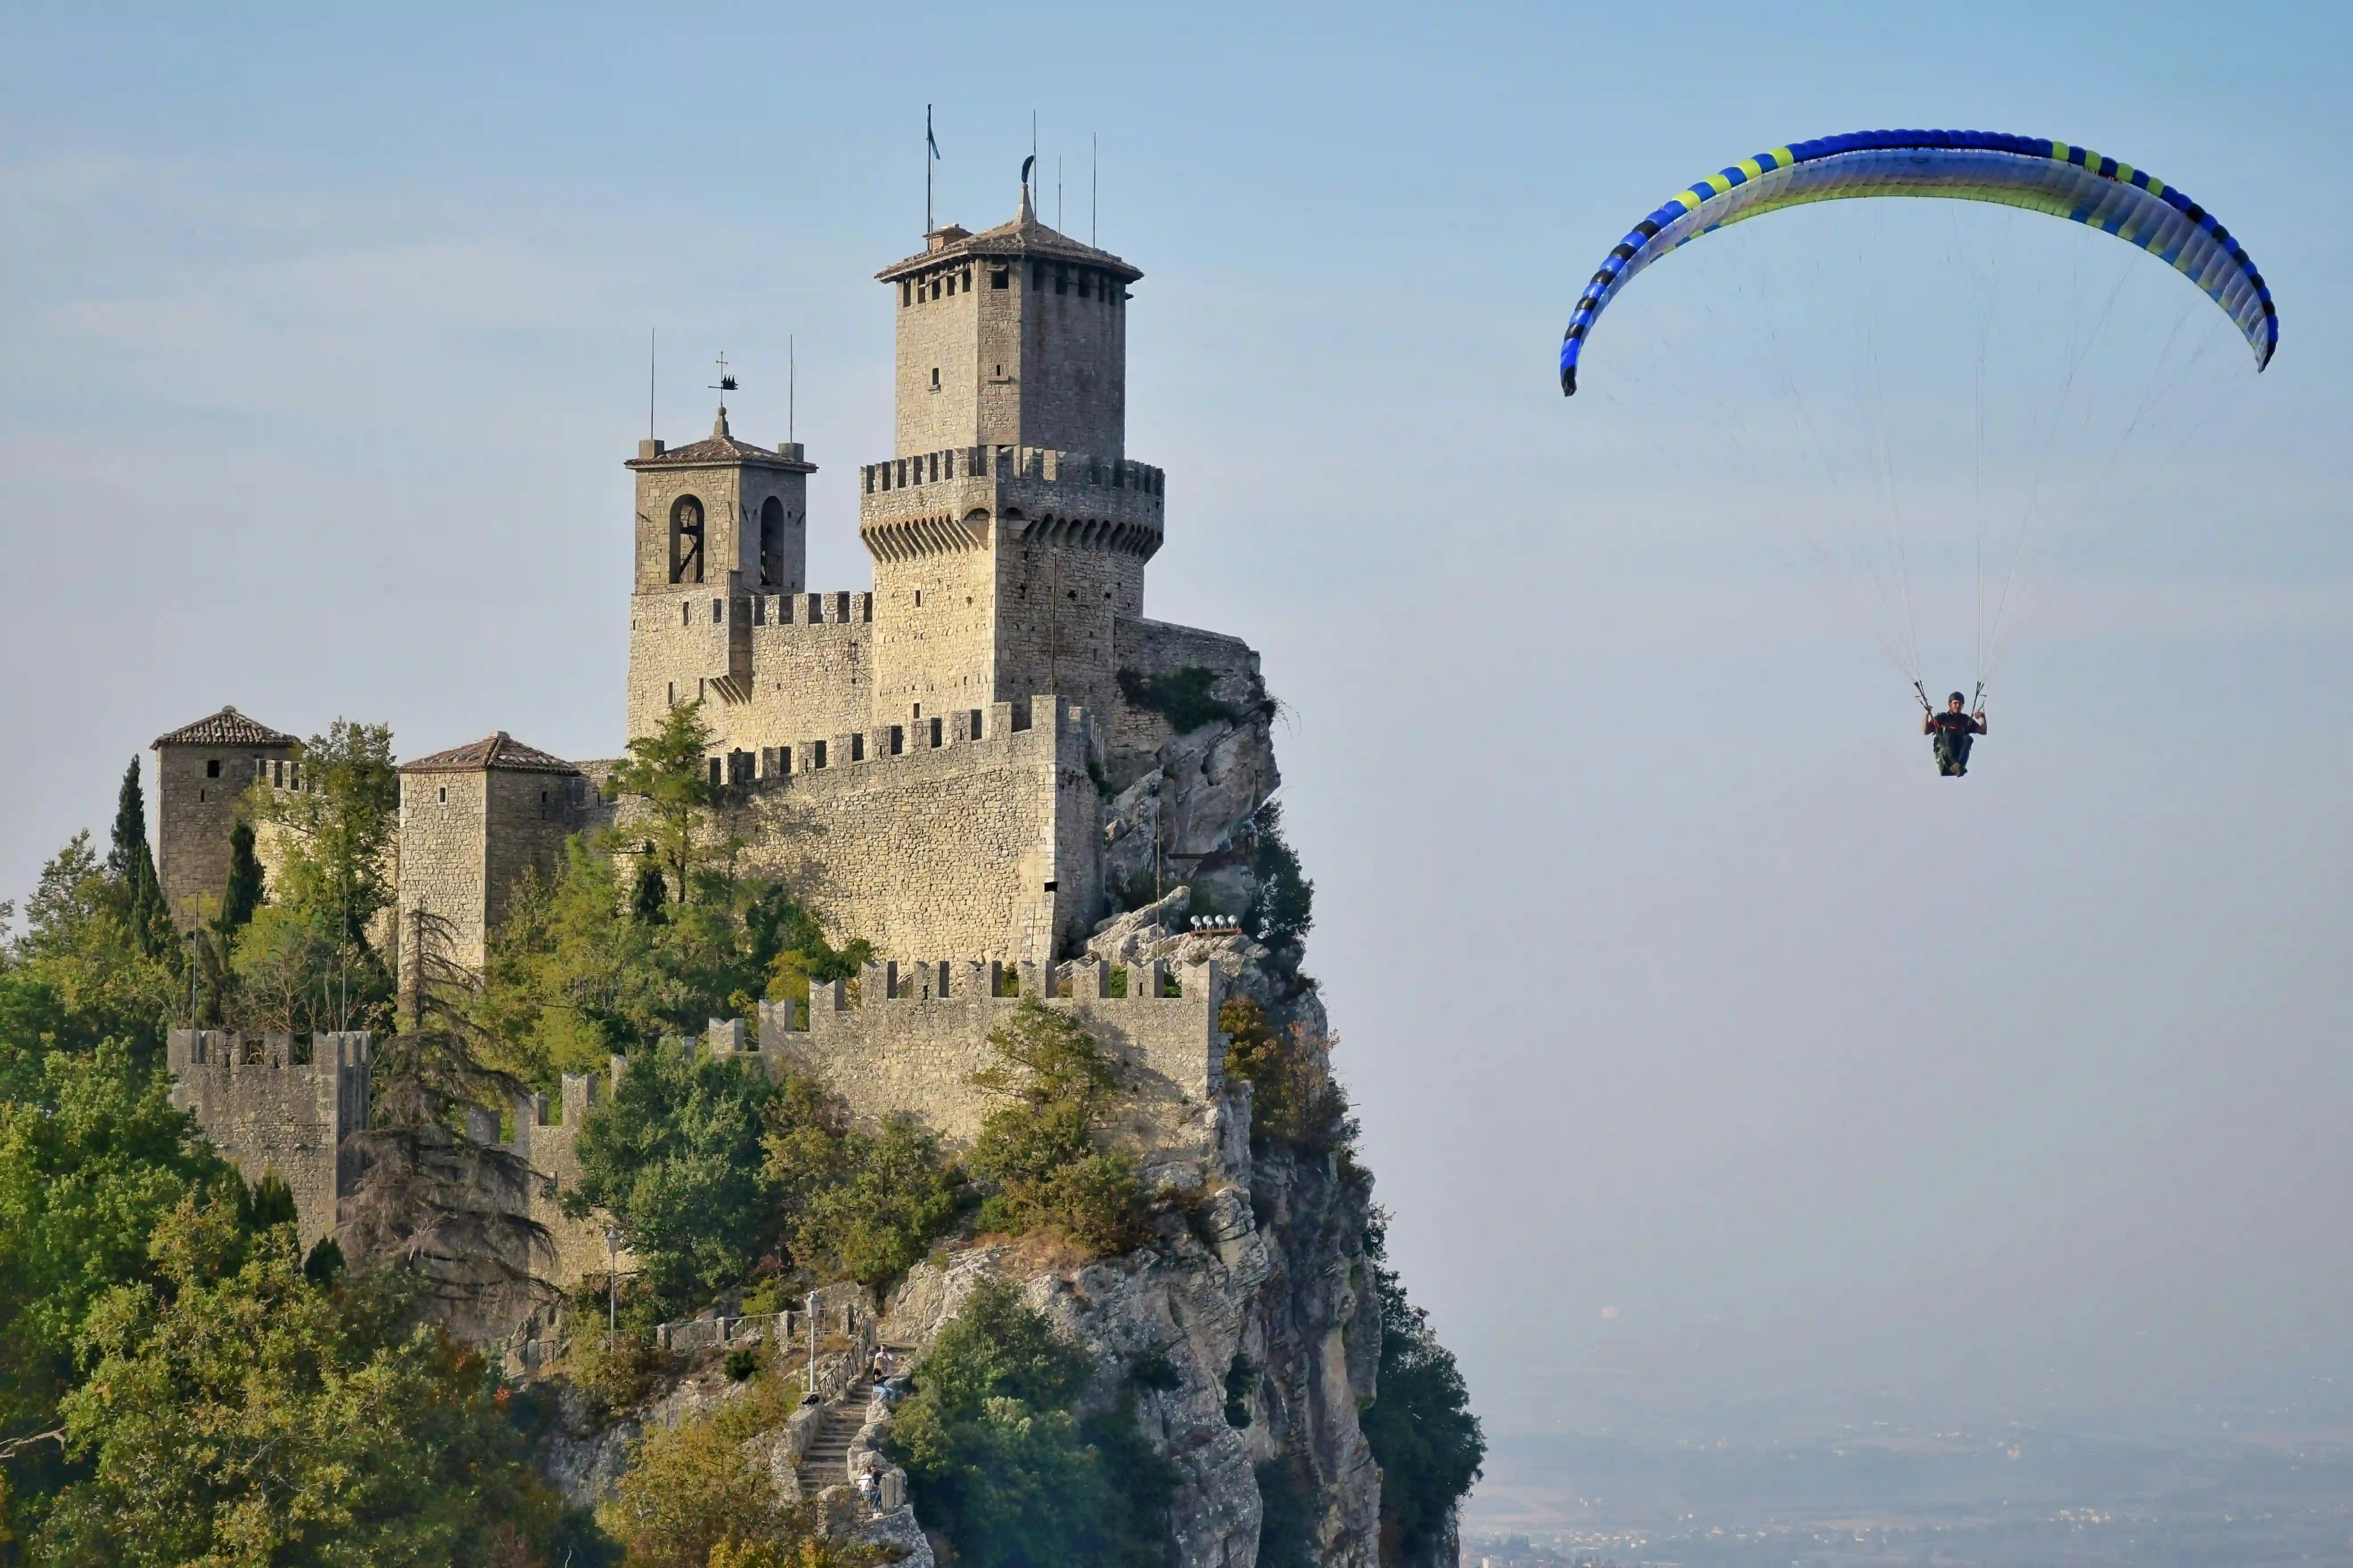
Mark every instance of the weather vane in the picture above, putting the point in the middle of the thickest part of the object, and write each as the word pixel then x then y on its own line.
pixel 726 383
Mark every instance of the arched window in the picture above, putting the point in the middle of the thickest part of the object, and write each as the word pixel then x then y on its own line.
pixel 686 541
pixel 772 543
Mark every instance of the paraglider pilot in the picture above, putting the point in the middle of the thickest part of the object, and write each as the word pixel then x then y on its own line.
pixel 1954 730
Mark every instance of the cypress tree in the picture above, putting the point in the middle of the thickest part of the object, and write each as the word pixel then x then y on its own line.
pixel 133 865
pixel 243 894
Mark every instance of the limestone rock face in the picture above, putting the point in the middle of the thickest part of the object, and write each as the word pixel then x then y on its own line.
pixel 1256 1294
pixel 1194 800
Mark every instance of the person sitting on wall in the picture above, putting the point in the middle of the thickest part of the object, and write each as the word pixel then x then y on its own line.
pixel 1954 730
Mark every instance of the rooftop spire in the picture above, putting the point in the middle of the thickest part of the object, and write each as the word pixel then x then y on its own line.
pixel 1028 214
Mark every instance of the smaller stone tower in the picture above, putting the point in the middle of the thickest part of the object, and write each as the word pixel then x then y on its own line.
pixel 201 771
pixel 472 821
pixel 718 521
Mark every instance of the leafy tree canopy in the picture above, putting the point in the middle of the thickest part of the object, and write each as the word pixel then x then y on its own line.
pixel 237 1414
pixel 1046 1152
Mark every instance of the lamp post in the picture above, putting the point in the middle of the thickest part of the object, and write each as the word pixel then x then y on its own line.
pixel 612 1285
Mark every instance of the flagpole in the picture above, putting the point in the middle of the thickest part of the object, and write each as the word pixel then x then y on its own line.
pixel 930 151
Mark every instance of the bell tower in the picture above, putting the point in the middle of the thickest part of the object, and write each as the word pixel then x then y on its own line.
pixel 1009 529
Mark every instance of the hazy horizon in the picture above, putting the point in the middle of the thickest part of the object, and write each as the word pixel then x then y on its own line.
pixel 1709 1050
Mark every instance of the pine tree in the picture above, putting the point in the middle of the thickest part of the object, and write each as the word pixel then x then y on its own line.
pixel 133 865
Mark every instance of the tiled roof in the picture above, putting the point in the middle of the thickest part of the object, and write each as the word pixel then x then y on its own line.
pixel 1024 236
pixel 501 751
pixel 226 728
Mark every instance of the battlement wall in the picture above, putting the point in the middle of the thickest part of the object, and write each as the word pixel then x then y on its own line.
pixel 552 1147
pixel 907 1040
pixel 1042 463
pixel 277 1104
pixel 933 834
pixel 764 665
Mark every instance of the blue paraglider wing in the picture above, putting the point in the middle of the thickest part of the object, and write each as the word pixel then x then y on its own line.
pixel 1959 165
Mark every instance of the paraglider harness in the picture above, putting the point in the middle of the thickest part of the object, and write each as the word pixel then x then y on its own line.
pixel 1952 739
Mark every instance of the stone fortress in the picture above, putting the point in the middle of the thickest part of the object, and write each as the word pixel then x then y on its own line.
pixel 964 765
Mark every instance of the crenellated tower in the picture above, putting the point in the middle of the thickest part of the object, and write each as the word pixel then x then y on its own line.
pixel 1009 529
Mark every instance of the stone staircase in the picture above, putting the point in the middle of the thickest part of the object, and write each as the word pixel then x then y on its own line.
pixel 827 1461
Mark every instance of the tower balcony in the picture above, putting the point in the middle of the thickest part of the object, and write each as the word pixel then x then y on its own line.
pixel 952 500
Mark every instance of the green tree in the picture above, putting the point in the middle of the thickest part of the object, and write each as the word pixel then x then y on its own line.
pixel 1423 1436
pixel 132 864
pixel 237 1414
pixel 669 774
pixel 79 945
pixel 996 1459
pixel 245 890
pixel 92 1155
pixel 428 1200
pixel 855 1205
pixel 579 972
pixel 675 1156
pixel 1046 1152
pixel 338 828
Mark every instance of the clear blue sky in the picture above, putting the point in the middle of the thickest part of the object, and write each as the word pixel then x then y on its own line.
pixel 1670 979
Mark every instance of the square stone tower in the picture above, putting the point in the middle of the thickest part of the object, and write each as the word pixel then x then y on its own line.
pixel 1009 529
pixel 473 819
pixel 201 771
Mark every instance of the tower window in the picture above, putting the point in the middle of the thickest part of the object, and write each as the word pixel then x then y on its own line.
pixel 918 598
pixel 718 612
pixel 975 731
pixel 967 275
pixel 936 734
pixel 1037 275
pixel 1082 286
pixel 1061 281
pixel 998 278
pixel 772 543
pixel 212 769
pixel 936 378
pixel 858 746
pixel 898 739
pixel 686 541
pixel 906 293
pixel 442 794
pixel 817 754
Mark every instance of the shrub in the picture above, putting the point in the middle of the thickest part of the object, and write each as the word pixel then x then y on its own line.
pixel 1294 1103
pixel 855 1206
pixel 1044 1151
pixel 1286 899
pixel 693 1495
pixel 1182 695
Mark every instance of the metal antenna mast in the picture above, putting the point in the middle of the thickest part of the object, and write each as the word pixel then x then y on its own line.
pixel 653 340
pixel 792 385
pixel 1094 180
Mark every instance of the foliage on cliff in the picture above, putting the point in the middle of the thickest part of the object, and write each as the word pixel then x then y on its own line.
pixel 234 1412
pixel 1296 1103
pixel 996 1460
pixel 714 1173
pixel 1046 1152
pixel 1427 1444
pixel 1182 695
pixel 693 1497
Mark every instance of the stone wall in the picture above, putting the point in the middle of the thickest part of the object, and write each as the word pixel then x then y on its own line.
pixel 444 855
pixel 269 1108
pixel 981 843
pixel 915 1036
pixel 581 1251
pixel 768 667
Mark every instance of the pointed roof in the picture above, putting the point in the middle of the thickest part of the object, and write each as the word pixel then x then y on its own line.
pixel 501 753
pixel 226 728
pixel 721 448
pixel 1025 236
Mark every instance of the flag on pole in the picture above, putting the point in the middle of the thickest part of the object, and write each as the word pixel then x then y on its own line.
pixel 929 140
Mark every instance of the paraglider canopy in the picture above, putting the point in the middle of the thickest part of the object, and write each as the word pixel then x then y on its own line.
pixel 2034 173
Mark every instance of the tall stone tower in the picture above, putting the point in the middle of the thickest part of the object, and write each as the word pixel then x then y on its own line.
pixel 201 771
pixel 1009 528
